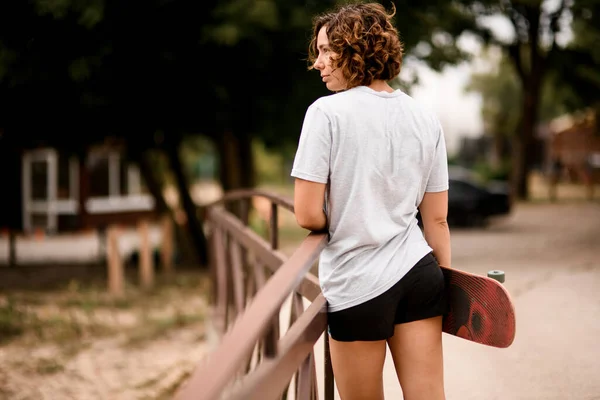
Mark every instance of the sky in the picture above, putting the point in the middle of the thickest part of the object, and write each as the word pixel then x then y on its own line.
pixel 459 112
pixel 444 92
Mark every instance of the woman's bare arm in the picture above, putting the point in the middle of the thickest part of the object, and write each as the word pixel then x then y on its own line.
pixel 434 213
pixel 308 205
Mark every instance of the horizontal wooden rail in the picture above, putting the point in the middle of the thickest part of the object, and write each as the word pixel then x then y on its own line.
pixel 214 374
pixel 243 194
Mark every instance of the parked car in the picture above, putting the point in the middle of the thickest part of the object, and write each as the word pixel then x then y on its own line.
pixel 472 204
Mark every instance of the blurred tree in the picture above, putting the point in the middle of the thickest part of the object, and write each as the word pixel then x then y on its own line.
pixel 75 72
pixel 537 46
pixel 275 89
pixel 150 72
pixel 220 68
pixel 567 78
pixel 578 67
pixel 502 93
pixel 433 30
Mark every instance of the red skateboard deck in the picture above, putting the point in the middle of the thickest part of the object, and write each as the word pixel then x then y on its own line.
pixel 479 309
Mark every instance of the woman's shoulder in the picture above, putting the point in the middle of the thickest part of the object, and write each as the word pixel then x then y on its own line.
pixel 331 98
pixel 334 101
pixel 422 110
pixel 326 103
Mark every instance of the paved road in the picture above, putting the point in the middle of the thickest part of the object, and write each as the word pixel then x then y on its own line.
pixel 550 256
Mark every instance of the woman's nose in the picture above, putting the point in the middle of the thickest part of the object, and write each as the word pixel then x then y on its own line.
pixel 319 65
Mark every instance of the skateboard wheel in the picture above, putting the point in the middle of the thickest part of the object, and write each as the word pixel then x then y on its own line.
pixel 497 275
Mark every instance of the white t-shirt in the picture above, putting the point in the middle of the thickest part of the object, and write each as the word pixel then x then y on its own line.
pixel 378 153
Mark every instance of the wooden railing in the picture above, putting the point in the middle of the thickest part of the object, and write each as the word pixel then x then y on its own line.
pixel 252 280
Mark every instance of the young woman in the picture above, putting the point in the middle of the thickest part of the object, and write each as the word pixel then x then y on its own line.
pixel 369 157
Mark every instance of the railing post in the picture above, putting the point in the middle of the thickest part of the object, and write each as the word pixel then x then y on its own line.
pixel 146 261
pixel 246 268
pixel 274 227
pixel 167 245
pixel 245 211
pixel 221 282
pixel 116 275
pixel 272 336
pixel 237 276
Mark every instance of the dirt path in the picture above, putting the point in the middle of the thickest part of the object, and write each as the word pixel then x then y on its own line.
pixel 104 370
pixel 82 344
pixel 550 256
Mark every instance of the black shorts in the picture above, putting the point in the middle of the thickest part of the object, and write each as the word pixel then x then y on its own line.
pixel 420 294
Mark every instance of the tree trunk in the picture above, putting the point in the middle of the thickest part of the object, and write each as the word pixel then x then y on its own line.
pixel 524 143
pixel 236 164
pixel 247 177
pixel 499 149
pixel 153 184
pixel 12 248
pixel 524 146
pixel 229 165
pixel 11 210
pixel 193 222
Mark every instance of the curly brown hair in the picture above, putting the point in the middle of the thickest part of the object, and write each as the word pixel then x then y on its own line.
pixel 365 42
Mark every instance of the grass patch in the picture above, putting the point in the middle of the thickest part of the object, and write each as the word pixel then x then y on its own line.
pixel 91 301
pixel 81 312
pixel 12 321
pixel 153 328
pixel 152 381
pixel 63 329
pixel 170 391
pixel 93 297
pixel 48 366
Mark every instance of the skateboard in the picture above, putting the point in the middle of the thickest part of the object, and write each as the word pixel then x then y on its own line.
pixel 479 308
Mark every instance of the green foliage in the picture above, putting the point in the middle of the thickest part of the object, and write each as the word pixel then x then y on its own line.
pixel 453 159
pixel 578 66
pixel 12 321
pixel 199 157
pixel 154 328
pixel 73 72
pixel 501 95
pixel 571 82
pixel 88 12
pixel 134 68
pixel 269 165
pixel 82 311
pixel 488 172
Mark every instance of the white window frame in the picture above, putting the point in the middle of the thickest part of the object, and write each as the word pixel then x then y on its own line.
pixel 116 202
pixel 52 206
pixel 131 201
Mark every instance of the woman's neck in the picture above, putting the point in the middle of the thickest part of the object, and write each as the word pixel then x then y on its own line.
pixel 381 86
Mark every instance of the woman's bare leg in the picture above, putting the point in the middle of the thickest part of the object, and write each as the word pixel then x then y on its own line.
pixel 358 369
pixel 416 348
